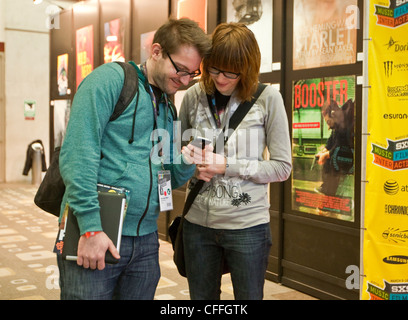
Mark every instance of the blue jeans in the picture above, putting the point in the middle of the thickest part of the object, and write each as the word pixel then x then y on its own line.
pixel 134 277
pixel 244 251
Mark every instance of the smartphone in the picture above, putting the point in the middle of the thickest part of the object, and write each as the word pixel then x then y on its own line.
pixel 200 142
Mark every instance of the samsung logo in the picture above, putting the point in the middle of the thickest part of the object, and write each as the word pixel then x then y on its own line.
pixel 396 260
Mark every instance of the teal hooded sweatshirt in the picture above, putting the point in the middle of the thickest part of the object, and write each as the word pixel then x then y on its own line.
pixel 90 134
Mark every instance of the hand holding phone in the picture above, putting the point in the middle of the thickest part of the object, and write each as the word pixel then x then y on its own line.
pixel 194 151
pixel 200 142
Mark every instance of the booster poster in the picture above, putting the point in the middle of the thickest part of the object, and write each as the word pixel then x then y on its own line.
pixel 323 117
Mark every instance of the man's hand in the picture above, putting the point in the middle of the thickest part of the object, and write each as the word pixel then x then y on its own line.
pixel 92 250
pixel 323 156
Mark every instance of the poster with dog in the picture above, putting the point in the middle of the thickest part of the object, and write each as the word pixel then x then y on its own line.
pixel 323 118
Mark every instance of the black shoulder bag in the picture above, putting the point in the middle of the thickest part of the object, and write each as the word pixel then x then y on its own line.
pixel 176 227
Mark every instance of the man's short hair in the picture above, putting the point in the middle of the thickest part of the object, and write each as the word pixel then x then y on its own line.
pixel 178 32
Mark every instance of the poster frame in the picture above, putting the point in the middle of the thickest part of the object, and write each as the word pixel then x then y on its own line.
pixel 292 76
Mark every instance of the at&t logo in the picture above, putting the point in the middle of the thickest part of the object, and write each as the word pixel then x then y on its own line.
pixel 391 187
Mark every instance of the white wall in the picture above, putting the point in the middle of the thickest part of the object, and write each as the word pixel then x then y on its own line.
pixel 2 19
pixel 26 78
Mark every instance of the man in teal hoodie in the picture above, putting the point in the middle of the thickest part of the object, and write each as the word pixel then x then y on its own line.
pixel 122 153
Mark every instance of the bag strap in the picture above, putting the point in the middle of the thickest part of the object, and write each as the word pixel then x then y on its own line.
pixel 129 90
pixel 235 120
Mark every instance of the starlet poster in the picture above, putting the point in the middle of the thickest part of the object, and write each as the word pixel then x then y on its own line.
pixel 385 242
pixel 84 53
pixel 323 118
pixel 324 33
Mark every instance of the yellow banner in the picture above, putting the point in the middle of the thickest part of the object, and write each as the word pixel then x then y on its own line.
pixel 385 249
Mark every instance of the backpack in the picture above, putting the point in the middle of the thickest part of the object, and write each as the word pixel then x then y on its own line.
pixel 51 190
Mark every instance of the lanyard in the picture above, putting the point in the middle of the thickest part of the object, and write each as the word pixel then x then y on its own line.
pixel 230 107
pixel 212 104
pixel 155 104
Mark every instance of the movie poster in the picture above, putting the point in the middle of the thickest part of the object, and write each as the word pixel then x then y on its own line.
pixel 84 53
pixel 196 10
pixel 258 16
pixel 323 117
pixel 324 33
pixel 385 246
pixel 146 41
pixel 62 110
pixel 114 46
pixel 62 74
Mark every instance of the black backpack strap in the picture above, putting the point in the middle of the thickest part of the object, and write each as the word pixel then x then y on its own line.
pixel 129 90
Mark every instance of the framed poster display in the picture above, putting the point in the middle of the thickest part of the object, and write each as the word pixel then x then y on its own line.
pixel 114 40
pixel 84 53
pixel 146 41
pixel 62 109
pixel 323 130
pixel 146 17
pixel 258 16
pixel 196 10
pixel 62 74
pixel 324 33
pixel 115 30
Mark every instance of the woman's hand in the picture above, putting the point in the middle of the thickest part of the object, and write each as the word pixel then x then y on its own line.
pixel 195 155
pixel 214 164
pixel 208 163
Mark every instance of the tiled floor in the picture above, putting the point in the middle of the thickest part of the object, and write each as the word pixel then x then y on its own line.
pixel 28 266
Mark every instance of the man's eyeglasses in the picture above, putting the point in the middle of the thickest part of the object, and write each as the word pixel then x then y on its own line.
pixel 182 73
pixel 227 74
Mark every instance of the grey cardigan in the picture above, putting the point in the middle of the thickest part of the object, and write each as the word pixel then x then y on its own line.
pixel 258 152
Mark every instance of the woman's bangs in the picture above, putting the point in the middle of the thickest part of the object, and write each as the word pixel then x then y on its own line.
pixel 227 58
